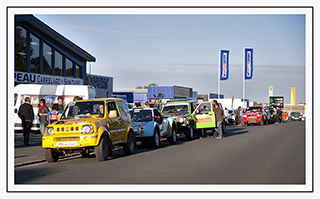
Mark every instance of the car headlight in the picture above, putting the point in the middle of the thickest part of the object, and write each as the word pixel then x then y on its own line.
pixel 244 116
pixel 49 131
pixel 259 115
pixel 87 129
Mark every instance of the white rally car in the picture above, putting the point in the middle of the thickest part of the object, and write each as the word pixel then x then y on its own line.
pixel 149 126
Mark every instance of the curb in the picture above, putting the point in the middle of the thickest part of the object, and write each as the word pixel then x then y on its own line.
pixel 43 160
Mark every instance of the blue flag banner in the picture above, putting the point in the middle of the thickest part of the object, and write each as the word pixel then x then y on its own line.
pixel 224 64
pixel 248 63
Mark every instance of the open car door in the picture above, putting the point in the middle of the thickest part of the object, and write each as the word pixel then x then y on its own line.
pixel 204 116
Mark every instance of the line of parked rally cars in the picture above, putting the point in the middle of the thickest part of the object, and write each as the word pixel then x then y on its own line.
pixel 98 125
pixel 262 115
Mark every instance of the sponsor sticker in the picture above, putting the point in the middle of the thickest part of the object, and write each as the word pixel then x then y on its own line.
pixel 63 144
pixel 203 119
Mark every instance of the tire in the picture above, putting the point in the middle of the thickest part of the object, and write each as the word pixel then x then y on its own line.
pixel 173 138
pixel 130 146
pixel 189 133
pixel 50 155
pixel 155 139
pixel 102 150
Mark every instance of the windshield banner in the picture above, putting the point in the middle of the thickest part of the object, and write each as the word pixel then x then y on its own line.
pixel 248 64
pixel 224 64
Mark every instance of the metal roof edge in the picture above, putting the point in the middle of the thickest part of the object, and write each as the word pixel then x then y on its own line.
pixel 54 34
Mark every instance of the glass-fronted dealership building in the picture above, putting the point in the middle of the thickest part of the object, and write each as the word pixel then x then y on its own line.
pixel 43 56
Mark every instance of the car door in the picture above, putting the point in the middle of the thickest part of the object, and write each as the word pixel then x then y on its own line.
pixel 115 123
pixel 123 120
pixel 204 116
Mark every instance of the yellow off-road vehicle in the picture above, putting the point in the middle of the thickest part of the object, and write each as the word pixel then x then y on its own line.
pixel 90 125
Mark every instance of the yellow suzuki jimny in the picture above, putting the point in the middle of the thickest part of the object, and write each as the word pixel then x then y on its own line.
pixel 90 125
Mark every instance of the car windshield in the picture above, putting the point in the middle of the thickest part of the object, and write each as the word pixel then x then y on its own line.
pixel 175 108
pixel 253 110
pixel 84 109
pixel 295 113
pixel 140 115
pixel 230 111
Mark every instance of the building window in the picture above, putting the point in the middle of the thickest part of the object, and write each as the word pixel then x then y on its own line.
pixel 21 49
pixel 58 64
pixel 47 59
pixel 69 68
pixel 34 54
pixel 78 71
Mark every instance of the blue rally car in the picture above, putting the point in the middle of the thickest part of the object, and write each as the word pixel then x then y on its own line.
pixel 149 126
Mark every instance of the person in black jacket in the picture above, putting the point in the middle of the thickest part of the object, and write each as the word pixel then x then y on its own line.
pixel 27 116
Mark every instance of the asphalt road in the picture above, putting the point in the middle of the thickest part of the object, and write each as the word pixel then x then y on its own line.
pixel 270 154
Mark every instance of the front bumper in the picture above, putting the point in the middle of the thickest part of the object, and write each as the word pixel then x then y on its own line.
pixel 70 141
pixel 252 119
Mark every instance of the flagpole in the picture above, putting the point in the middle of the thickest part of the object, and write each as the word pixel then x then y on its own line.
pixel 243 73
pixel 219 74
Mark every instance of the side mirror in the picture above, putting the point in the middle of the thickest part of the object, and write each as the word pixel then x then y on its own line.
pixel 197 111
pixel 112 114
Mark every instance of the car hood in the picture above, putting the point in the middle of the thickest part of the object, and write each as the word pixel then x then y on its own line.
pixel 174 115
pixel 80 121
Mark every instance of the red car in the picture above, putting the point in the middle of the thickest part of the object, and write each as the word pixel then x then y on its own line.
pixel 254 114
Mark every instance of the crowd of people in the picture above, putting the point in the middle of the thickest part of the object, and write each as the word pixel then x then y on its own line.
pixel 46 116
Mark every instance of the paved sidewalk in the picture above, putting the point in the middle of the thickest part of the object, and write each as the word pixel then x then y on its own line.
pixel 27 154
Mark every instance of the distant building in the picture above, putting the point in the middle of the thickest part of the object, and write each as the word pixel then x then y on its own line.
pixel 102 84
pixel 133 95
pixel 169 92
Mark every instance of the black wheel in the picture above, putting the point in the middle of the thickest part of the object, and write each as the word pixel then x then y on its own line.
pixel 51 155
pixel 130 146
pixel 102 150
pixel 173 138
pixel 189 133
pixel 85 154
pixel 155 139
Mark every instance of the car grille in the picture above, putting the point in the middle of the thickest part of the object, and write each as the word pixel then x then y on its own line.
pixel 66 139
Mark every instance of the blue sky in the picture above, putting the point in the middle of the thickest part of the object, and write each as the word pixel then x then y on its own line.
pixel 184 50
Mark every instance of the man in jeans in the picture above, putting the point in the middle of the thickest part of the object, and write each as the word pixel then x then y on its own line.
pixel 219 119
pixel 27 116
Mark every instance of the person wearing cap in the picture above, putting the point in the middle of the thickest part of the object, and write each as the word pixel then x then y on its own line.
pixel 60 102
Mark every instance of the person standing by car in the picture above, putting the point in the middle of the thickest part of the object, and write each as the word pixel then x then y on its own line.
pixel 26 115
pixel 60 103
pixel 238 115
pixel 278 115
pixel 219 118
pixel 43 112
pixel 226 112
pixel 53 115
